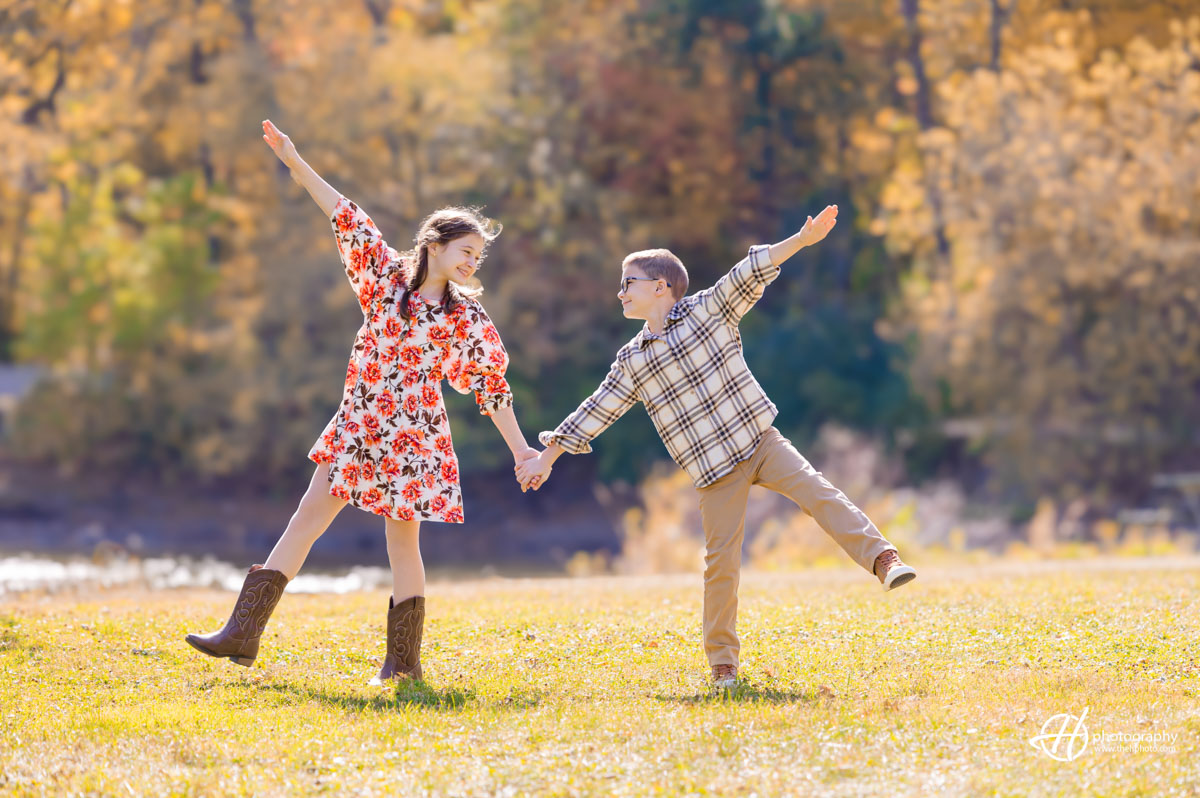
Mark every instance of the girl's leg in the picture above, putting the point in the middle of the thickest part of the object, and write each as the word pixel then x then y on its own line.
pixel 314 515
pixel 264 584
pixel 406 609
pixel 404 553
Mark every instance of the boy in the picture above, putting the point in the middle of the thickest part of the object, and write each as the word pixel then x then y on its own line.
pixel 686 366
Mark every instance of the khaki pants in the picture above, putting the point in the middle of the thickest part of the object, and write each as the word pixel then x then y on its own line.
pixel 775 465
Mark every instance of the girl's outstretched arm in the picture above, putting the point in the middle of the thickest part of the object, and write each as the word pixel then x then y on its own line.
pixel 322 193
pixel 506 421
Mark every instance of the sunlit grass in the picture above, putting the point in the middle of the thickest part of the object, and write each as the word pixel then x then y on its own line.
pixel 598 686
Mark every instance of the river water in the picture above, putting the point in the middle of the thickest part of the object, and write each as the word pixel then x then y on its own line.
pixel 27 572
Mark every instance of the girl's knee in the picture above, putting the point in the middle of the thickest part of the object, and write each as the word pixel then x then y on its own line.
pixel 404 533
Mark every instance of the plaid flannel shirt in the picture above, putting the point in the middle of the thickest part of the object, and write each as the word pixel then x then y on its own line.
pixel 693 379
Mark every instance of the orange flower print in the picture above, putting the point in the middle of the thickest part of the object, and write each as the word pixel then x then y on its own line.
pixel 405 513
pixel 462 329
pixel 372 373
pixel 352 427
pixel 411 490
pixel 389 465
pixel 450 472
pixel 350 474
pixel 412 404
pixel 385 403
pixel 439 335
pixel 366 293
pixel 393 327
pixel 430 480
pixel 339 492
pixel 495 383
pixel 438 504
pixel 406 439
pixel 454 515
pixel 372 496
pixel 411 356
pixel 411 378
pixel 429 396
pixel 491 336
pixel 371 422
pixel 497 358
pixel 369 343
pixel 351 375
pixel 444 445
pixel 391 353
pixel 367 469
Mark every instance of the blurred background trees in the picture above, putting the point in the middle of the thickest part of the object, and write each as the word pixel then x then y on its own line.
pixel 1010 298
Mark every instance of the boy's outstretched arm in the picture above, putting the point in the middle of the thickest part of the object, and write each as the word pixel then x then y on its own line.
pixel 616 394
pixel 813 231
pixel 737 291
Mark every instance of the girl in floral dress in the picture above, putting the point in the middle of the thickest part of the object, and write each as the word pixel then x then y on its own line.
pixel 387 449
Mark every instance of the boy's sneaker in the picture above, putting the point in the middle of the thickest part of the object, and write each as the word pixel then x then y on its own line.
pixel 891 571
pixel 724 676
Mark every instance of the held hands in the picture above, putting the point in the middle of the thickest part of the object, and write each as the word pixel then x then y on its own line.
pixel 523 454
pixel 534 472
pixel 816 229
pixel 279 142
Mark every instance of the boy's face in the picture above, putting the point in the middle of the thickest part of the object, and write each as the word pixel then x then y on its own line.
pixel 640 294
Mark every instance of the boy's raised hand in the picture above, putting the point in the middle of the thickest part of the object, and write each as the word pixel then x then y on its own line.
pixel 534 472
pixel 816 229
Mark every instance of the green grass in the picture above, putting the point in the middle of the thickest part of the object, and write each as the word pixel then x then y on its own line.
pixel 598 687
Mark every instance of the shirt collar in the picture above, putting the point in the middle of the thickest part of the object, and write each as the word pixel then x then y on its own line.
pixel 674 315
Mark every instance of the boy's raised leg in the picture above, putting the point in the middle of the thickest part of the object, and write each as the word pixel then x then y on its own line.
pixel 784 470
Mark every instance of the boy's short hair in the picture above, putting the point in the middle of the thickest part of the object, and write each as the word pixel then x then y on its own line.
pixel 661 264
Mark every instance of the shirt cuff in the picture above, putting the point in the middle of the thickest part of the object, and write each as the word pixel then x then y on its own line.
pixel 493 402
pixel 570 444
pixel 760 262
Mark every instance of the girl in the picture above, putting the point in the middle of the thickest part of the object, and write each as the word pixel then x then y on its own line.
pixel 387 449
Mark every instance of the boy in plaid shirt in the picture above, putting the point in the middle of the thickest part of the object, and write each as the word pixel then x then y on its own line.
pixel 686 366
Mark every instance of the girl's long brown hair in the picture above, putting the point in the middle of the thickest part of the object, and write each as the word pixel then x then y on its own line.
pixel 441 227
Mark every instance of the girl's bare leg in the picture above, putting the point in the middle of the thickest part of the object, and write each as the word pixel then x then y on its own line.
pixel 404 553
pixel 314 515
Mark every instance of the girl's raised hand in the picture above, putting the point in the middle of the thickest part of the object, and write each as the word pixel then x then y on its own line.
pixel 279 142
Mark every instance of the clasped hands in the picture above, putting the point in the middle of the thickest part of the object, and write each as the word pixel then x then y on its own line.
pixel 532 468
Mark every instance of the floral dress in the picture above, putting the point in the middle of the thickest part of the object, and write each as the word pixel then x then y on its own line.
pixel 388 445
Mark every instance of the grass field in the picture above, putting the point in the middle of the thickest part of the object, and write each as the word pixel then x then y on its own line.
pixel 598 687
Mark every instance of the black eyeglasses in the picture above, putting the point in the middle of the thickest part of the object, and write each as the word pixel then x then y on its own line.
pixel 626 281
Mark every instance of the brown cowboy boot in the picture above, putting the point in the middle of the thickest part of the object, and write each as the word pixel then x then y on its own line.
pixel 239 639
pixel 405 622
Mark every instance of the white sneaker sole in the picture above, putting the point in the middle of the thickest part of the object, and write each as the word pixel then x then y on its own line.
pixel 725 684
pixel 900 575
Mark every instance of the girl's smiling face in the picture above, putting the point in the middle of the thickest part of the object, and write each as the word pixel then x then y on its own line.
pixel 457 260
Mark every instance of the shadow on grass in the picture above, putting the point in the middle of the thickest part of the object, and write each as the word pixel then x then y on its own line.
pixel 403 695
pixel 746 693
